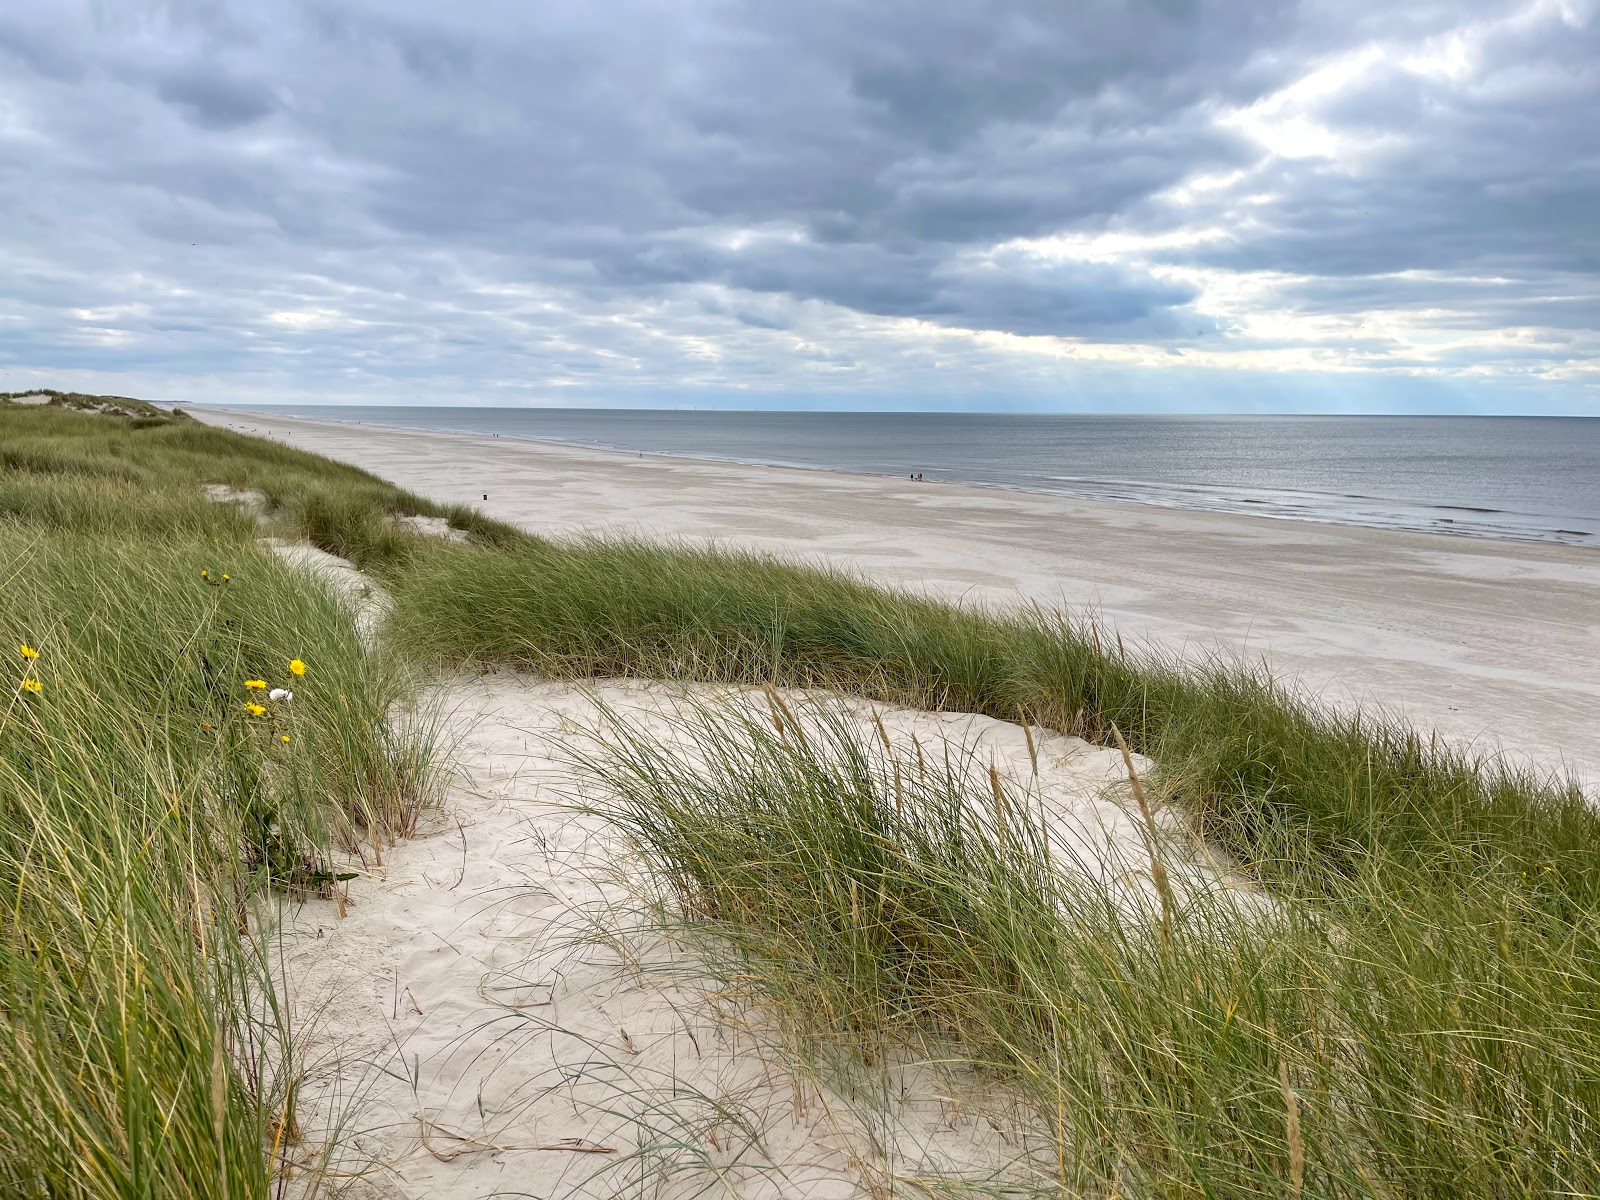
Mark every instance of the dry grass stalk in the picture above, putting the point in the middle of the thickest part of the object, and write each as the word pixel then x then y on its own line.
pixel 883 734
pixel 1158 870
pixel 1291 1131
pixel 999 802
pixel 774 706
pixel 1027 732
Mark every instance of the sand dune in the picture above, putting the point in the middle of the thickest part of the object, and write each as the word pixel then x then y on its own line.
pixel 490 1016
pixel 494 1013
pixel 1491 643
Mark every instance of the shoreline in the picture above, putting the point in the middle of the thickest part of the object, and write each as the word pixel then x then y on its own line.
pixel 1398 515
pixel 1491 642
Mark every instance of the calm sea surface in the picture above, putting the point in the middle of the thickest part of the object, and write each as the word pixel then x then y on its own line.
pixel 1512 477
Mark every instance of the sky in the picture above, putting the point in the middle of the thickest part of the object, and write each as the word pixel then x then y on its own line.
pixel 1035 205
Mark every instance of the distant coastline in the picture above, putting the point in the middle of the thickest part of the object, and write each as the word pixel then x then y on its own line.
pixel 1511 478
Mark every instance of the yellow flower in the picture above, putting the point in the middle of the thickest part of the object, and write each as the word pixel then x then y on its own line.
pixel 204 574
pixel 255 710
pixel 296 667
pixel 27 651
pixel 283 737
pixel 205 725
pixel 255 683
pixel 226 577
pixel 32 685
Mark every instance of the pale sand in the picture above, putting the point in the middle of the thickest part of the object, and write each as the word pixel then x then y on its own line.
pixel 491 1013
pixel 1491 643
pixel 491 1008
pixel 365 598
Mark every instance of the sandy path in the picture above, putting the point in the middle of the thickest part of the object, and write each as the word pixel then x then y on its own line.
pixel 1490 642
pixel 477 1039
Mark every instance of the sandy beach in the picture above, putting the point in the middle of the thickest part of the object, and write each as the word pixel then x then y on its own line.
pixel 1496 643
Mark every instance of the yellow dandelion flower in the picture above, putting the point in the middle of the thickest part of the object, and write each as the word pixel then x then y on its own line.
pixel 255 710
pixel 296 667
pixel 204 574
pixel 206 725
pixel 32 685
pixel 255 683
pixel 226 577
pixel 27 651
pixel 283 737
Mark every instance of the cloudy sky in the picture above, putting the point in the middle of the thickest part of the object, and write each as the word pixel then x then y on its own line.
pixel 1201 205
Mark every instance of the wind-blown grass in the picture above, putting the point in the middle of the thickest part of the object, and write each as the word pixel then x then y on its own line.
pixel 1416 1013
pixel 1426 1044
pixel 143 804
pixel 62 468
pixel 1303 796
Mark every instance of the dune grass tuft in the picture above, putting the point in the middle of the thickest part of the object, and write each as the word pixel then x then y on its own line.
pixel 1429 1043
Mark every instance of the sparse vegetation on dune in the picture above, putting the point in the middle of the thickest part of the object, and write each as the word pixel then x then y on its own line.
pixel 1425 1041
pixel 115 406
pixel 1416 1014
pixel 72 469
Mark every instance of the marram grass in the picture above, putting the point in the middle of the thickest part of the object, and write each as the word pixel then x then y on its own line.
pixel 1414 1017
pixel 1306 798
pixel 147 794
pixel 1372 1044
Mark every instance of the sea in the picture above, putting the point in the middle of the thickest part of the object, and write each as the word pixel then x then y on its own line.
pixel 1531 478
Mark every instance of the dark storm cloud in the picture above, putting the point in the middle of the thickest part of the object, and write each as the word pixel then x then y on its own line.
pixel 1013 292
pixel 653 190
pixel 215 101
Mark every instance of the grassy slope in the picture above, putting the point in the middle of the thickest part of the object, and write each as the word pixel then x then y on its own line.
pixel 125 406
pixel 1445 1035
pixel 1303 797
pixel 141 804
pixel 1432 997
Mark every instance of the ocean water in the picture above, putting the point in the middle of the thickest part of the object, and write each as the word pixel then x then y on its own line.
pixel 1534 478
